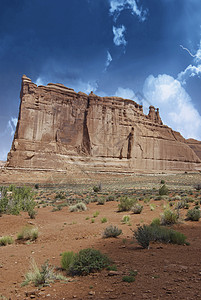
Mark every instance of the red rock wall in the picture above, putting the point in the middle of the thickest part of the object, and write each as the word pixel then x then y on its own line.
pixel 58 127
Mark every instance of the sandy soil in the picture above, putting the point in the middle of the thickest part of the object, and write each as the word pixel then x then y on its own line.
pixel 164 271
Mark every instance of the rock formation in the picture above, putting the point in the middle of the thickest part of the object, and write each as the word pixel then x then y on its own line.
pixel 58 127
pixel 196 146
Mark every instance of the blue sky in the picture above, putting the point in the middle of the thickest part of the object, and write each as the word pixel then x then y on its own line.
pixel 145 50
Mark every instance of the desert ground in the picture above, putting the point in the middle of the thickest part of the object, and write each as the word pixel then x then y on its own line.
pixel 164 271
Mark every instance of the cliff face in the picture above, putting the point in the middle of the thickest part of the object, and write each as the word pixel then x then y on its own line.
pixel 57 127
pixel 195 145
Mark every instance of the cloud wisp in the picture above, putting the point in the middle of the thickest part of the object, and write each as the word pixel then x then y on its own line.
pixel 192 69
pixel 108 60
pixel 119 35
pixel 117 6
pixel 125 93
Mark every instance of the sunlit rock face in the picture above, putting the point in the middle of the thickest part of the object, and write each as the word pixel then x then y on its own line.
pixel 58 128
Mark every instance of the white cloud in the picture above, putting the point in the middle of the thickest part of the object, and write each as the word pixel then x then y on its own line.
pixel 119 38
pixel 11 125
pixel 176 108
pixel 190 71
pixel 108 60
pixel 117 6
pixel 3 154
pixel 86 87
pixel 39 81
pixel 125 93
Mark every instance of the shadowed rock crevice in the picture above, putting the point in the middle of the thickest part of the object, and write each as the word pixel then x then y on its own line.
pixel 86 145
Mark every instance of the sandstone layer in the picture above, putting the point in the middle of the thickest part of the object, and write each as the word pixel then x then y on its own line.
pixel 195 145
pixel 58 128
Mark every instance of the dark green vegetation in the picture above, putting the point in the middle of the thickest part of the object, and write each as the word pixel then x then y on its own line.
pixel 16 199
pixel 156 233
pixel 84 262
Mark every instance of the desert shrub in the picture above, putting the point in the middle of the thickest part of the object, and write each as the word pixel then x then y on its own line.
pixel 36 186
pixel 111 231
pixel 155 221
pixel 32 213
pixel 41 276
pixel 97 188
pixel 193 214
pixel 103 220
pixel 128 278
pixel 142 235
pixel 28 233
pixel 126 203
pixel 163 190
pixel 60 195
pixel 78 207
pixel 101 201
pixel 162 181
pixel 6 240
pixel 137 208
pixel 96 214
pixel 189 199
pixel 145 234
pixel 112 268
pixel 177 197
pixel 198 187
pixel 169 217
pixel 88 261
pixel 67 260
pixel 180 204
pixel 152 207
pixel 16 199
pixel 125 219
pixel 110 198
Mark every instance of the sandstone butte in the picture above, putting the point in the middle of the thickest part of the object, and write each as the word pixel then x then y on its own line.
pixel 58 127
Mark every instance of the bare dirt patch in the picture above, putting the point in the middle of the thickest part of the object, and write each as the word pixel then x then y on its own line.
pixel 163 272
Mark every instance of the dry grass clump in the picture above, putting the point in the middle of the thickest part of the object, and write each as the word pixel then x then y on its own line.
pixel 78 207
pixel 6 240
pixel 41 276
pixel 28 233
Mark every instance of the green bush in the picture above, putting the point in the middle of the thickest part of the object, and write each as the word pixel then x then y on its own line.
pixel 137 208
pixel 125 219
pixel 128 278
pixel 156 221
pixel 16 199
pixel 78 207
pixel 145 234
pixel 169 217
pixel 110 198
pixel 101 201
pixel 142 235
pixel 162 181
pixel 28 233
pixel 163 190
pixel 6 240
pixel 97 188
pixel 67 260
pixel 88 261
pixel 126 203
pixel 103 220
pixel 111 231
pixel 193 214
